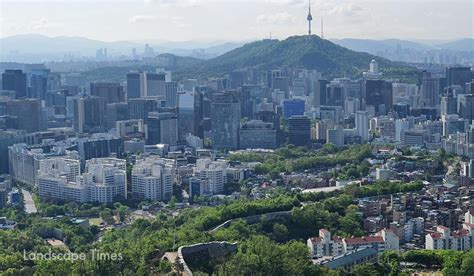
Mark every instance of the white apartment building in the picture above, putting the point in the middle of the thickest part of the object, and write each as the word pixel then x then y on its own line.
pixel 104 181
pixel 57 179
pixel 324 245
pixel 444 238
pixel 153 178
pixel 214 171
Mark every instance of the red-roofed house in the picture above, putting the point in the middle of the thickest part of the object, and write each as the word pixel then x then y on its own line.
pixel 457 240
pixel 324 245
pixel 353 243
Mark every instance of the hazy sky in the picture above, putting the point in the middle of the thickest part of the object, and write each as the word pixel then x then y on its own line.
pixel 237 20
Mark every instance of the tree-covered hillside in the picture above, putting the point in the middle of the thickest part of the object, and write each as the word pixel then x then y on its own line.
pixel 308 52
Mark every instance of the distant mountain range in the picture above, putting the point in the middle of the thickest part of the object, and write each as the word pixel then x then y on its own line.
pixel 36 48
pixel 40 48
pixel 375 46
pixel 423 51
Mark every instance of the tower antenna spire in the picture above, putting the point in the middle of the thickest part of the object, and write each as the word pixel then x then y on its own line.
pixel 322 28
pixel 309 18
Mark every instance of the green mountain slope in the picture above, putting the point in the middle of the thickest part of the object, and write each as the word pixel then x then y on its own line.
pixel 309 52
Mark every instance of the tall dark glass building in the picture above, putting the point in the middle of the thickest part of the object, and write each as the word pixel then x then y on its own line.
pixel 190 114
pixel 133 85
pixel 378 93
pixel 15 80
pixel 299 131
pixel 225 121
pixel 458 76
pixel 110 92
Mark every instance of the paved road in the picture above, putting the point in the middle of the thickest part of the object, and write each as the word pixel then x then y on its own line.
pixel 325 189
pixel 30 207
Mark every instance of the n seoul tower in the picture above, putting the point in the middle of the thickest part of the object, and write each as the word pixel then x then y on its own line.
pixel 309 18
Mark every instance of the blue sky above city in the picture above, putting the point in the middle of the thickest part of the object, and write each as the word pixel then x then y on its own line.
pixel 237 20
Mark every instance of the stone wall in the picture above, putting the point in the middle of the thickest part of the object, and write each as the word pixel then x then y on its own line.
pixel 214 249
pixel 254 219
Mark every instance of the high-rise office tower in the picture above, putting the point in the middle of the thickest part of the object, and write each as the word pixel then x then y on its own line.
pixel 256 134
pixel 89 114
pixel 135 85
pixel 8 138
pixel 190 114
pixel 378 93
pixel 100 145
pixel 429 92
pixel 155 85
pixel 334 94
pixel 237 79
pixel 466 107
pixel 335 136
pixel 470 88
pixel 319 96
pixel 282 84
pixel 362 125
pixel 15 80
pixel 171 97
pixel 28 112
pixel 110 92
pixel 139 108
pixel 162 128
pixel 299 131
pixel 246 100
pixel 458 76
pixel 293 107
pixel 225 121
pixel 38 84
pixel 448 104
pixel 115 112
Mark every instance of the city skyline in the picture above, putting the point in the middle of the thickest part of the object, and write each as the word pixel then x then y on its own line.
pixel 186 20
